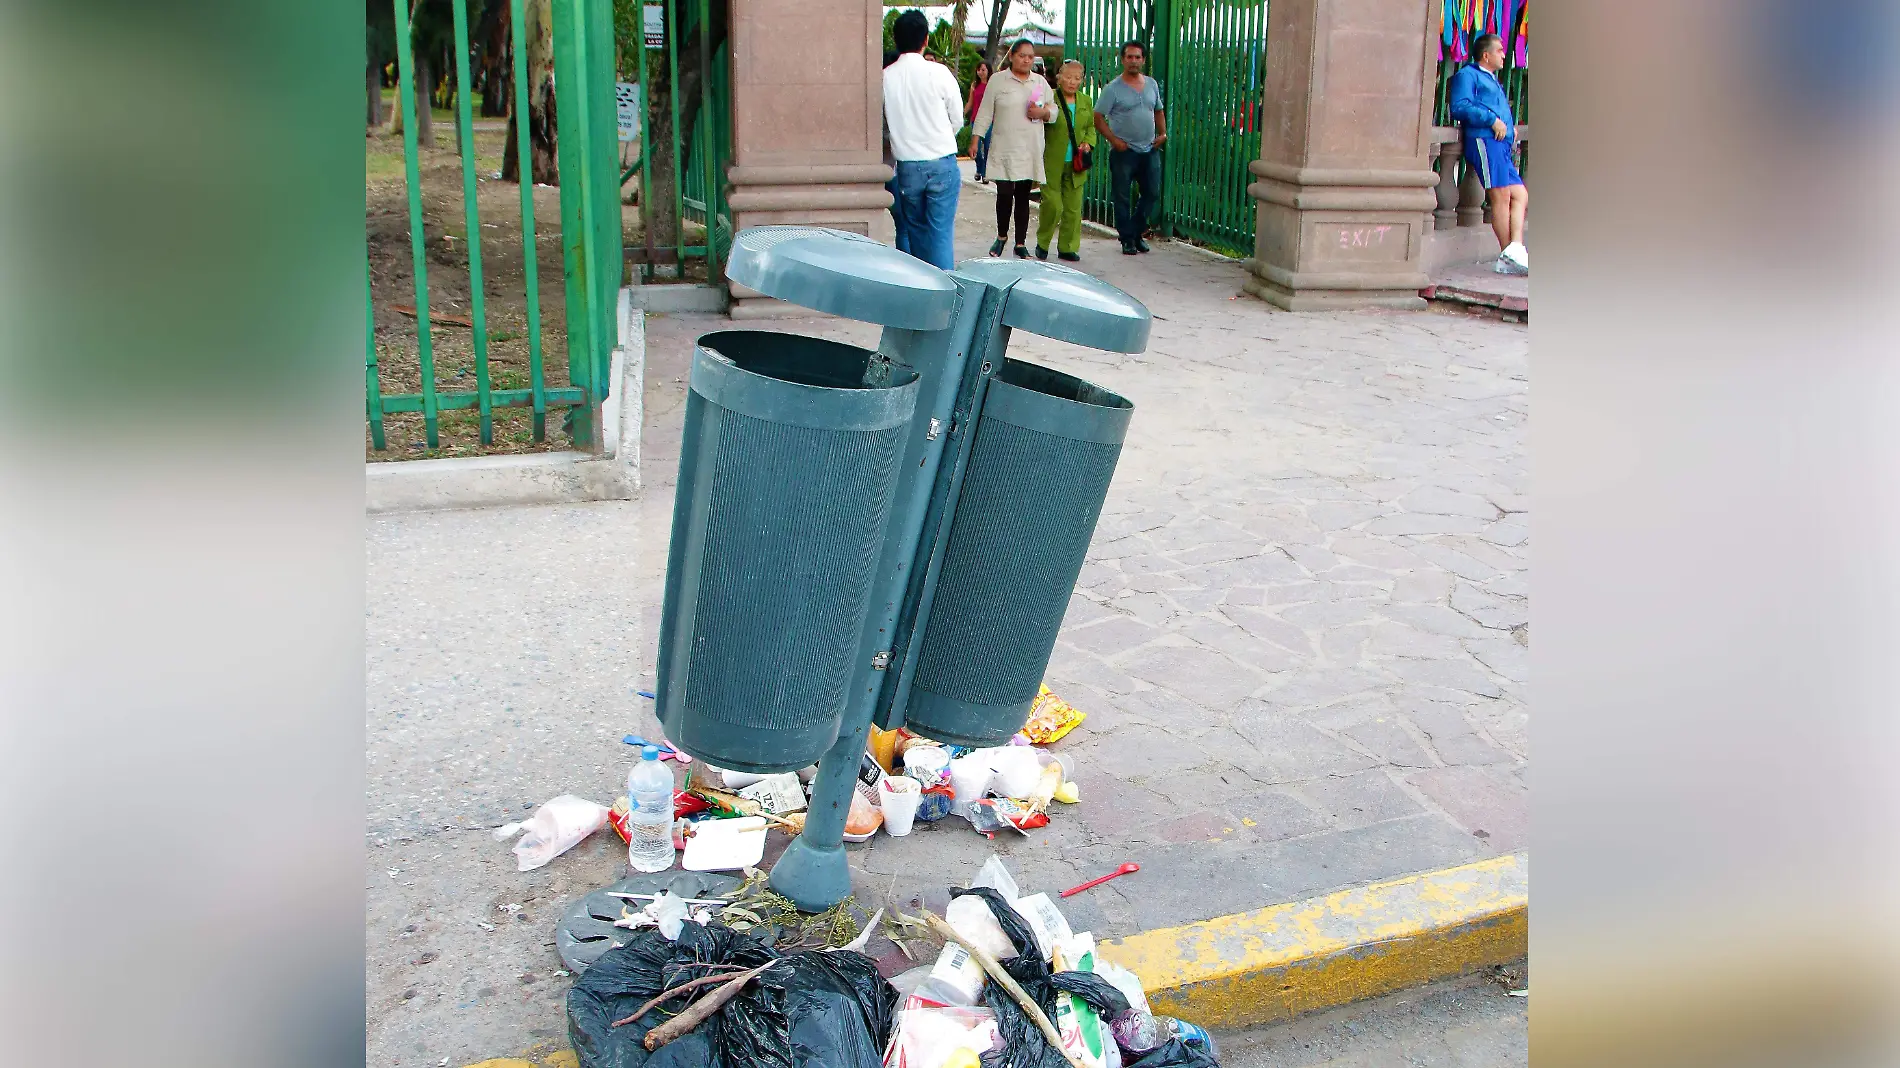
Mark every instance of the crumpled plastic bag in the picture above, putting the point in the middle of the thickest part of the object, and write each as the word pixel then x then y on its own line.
pixel 1177 1054
pixel 1023 1044
pixel 826 1008
pixel 555 828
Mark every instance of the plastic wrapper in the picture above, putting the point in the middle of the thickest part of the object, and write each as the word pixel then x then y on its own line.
pixel 936 803
pixel 1023 1045
pixel 816 1008
pixel 928 1036
pixel 1005 813
pixel 1050 717
pixel 555 828
pixel 971 918
pixel 1176 1054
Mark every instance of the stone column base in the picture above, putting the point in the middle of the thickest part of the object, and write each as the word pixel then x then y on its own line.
pixel 847 197
pixel 1328 239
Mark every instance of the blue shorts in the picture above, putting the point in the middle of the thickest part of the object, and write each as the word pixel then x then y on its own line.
pixel 1495 161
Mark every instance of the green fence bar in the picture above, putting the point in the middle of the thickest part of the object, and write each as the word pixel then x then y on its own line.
pixel 530 257
pixel 373 385
pixel 405 92
pixel 673 32
pixel 465 138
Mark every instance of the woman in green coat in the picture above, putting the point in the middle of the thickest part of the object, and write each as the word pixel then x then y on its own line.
pixel 1062 184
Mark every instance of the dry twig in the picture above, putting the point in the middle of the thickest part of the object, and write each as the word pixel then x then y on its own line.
pixel 721 974
pixel 703 1009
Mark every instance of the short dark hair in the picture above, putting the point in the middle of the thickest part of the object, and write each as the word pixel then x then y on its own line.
pixel 911 30
pixel 1484 42
pixel 1126 45
pixel 1022 44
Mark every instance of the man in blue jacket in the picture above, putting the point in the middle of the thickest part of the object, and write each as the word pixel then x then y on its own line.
pixel 1479 105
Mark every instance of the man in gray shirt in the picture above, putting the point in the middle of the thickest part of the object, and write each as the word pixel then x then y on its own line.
pixel 1128 113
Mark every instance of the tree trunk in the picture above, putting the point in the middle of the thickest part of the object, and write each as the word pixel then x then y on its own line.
pixel 992 46
pixel 425 100
pixel 662 223
pixel 543 168
pixel 373 78
pixel 497 65
pixel 959 15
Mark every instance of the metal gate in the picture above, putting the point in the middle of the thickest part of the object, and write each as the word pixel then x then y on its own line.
pixel 582 50
pixel 1209 57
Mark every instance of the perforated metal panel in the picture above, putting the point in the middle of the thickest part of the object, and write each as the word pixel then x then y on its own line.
pixel 792 536
pixel 788 467
pixel 1045 451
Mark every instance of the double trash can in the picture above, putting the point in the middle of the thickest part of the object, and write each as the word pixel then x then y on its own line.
pixel 886 534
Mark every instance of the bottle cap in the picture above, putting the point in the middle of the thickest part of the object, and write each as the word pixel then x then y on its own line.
pixel 650 752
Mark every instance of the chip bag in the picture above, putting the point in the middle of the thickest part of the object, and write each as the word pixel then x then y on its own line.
pixel 1050 717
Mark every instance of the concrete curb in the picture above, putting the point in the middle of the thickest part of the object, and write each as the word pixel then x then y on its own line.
pixel 535 478
pixel 1283 961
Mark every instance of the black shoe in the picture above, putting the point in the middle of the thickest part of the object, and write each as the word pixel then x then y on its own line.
pixel 997 249
pixel 1127 249
pixel 1042 253
pixel 1070 256
pixel 1022 252
pixel 1142 246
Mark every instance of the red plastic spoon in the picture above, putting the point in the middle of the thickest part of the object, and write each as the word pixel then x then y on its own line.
pixel 1092 883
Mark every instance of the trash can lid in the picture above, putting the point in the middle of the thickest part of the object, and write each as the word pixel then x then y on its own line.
pixel 1065 304
pixel 844 274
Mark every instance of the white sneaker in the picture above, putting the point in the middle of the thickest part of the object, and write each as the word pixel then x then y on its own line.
pixel 1505 266
pixel 1518 255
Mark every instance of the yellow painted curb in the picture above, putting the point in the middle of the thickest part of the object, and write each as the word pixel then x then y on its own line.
pixel 1279 962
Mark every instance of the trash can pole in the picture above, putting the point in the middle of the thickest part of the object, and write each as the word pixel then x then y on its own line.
pixel 992 339
pixel 813 872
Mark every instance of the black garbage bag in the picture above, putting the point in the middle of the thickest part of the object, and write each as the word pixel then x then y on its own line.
pixel 809 1009
pixel 1023 1043
pixel 1175 1053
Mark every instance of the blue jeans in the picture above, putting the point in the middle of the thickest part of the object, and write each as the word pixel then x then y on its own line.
pixel 1124 168
pixel 981 153
pixel 927 208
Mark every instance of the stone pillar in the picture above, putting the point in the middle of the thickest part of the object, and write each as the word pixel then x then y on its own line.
pixel 807 122
pixel 1345 186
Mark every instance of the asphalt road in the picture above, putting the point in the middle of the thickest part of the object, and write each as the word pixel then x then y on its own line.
pixel 1462 1023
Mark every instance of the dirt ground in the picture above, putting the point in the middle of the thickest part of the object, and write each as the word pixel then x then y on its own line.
pixel 445 226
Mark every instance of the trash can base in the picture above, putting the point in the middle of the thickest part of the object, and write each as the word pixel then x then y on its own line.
pixel 813 877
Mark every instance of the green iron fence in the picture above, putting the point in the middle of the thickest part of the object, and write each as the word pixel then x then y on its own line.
pixel 700 154
pixel 586 157
pixel 1209 57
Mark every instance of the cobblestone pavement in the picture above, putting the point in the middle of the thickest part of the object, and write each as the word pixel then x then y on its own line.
pixel 1300 640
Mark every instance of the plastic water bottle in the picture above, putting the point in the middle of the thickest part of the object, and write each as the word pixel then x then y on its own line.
pixel 650 823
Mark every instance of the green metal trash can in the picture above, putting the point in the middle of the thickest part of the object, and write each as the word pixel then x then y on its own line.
pixel 1044 452
pixel 788 465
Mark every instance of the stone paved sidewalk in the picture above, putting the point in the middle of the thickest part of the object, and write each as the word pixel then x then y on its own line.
pixel 1301 640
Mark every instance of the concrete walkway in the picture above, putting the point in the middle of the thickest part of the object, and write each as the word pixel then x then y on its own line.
pixel 1301 640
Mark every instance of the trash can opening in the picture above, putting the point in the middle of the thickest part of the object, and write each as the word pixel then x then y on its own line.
pixel 805 361
pixel 1056 384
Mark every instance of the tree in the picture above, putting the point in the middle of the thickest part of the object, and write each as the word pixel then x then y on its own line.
pixel 663 224
pixel 379 48
pixel 993 43
pixel 543 168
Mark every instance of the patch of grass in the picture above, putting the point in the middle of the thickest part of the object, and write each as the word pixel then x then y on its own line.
pixel 378 163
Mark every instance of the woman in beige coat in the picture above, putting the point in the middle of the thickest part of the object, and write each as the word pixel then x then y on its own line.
pixel 1016 110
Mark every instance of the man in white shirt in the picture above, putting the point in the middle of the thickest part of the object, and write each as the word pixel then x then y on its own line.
pixel 923 109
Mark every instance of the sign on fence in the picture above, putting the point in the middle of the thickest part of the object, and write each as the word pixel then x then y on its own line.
pixel 655 26
pixel 627 110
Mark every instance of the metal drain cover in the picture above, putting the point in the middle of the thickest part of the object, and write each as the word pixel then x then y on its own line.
pixel 587 929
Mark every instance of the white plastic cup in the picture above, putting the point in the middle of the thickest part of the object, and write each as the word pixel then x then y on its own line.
pixel 899 796
pixel 1067 760
pixel 970 777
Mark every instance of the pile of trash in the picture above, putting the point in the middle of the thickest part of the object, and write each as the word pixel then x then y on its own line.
pixel 720 818
pixel 1012 987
